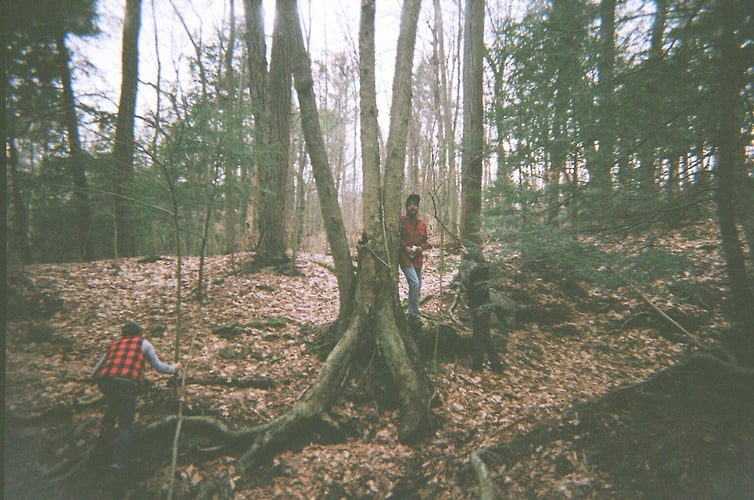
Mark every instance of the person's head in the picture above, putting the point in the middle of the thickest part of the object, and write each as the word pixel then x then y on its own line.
pixel 412 204
pixel 131 329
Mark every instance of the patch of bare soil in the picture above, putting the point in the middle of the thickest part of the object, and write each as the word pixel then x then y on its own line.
pixel 595 400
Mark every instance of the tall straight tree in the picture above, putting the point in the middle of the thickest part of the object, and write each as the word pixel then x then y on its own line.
pixel 20 237
pixel 377 312
pixel 273 174
pixel 473 122
pixel 228 99
pixel 601 173
pixel 445 129
pixel 256 51
pixel 78 158
pixel 730 73
pixel 123 151
pixel 566 56
pixel 39 65
pixel 647 149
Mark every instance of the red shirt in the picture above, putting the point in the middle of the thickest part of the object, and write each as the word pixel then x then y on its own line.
pixel 125 359
pixel 413 233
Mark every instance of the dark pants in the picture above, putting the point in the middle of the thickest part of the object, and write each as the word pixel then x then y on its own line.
pixel 120 396
pixel 481 342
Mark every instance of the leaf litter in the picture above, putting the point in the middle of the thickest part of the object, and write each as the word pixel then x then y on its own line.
pixel 532 421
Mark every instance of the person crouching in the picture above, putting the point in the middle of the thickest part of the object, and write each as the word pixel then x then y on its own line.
pixel 118 374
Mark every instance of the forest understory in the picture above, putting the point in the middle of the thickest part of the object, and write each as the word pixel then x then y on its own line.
pixel 602 396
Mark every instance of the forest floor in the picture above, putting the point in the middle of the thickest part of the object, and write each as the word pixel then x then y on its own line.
pixel 601 396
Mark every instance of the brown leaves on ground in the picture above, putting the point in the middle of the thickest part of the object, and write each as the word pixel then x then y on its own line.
pixel 274 317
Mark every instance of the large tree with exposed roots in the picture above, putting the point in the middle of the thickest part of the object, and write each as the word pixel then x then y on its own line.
pixel 370 318
pixel 370 324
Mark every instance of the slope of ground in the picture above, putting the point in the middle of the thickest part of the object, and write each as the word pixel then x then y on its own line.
pixel 552 424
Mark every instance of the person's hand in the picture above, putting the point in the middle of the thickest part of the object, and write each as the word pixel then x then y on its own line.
pixel 177 366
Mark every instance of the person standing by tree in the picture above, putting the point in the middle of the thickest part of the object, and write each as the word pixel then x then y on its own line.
pixel 118 374
pixel 414 241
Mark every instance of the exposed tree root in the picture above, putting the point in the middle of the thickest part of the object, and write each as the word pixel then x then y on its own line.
pixel 312 408
pixel 259 382
pixel 374 323
pixel 208 427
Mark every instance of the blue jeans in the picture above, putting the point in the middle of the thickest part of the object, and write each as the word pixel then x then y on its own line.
pixel 414 279
pixel 120 396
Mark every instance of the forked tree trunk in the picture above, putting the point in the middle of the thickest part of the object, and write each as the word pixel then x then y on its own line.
pixel 374 319
pixel 378 252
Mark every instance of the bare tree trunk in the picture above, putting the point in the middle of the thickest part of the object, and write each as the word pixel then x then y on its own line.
pixel 19 208
pixel 647 151
pixel 473 122
pixel 328 196
pixel 123 151
pixel 378 287
pixel 300 202
pixel 729 137
pixel 257 62
pixel 228 126
pixel 400 109
pixel 375 297
pixel 601 173
pixel 156 247
pixel 558 150
pixel 77 167
pixel 745 203
pixel 273 175
pixel 497 66
pixel 372 210
pixel 451 126
pixel 444 133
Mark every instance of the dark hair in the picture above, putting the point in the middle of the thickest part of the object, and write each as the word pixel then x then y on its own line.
pixel 413 198
pixel 131 329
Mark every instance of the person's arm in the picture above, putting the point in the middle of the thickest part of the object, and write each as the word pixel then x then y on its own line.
pixel 97 366
pixel 424 236
pixel 161 367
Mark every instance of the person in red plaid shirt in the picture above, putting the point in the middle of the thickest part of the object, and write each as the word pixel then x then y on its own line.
pixel 414 241
pixel 118 374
